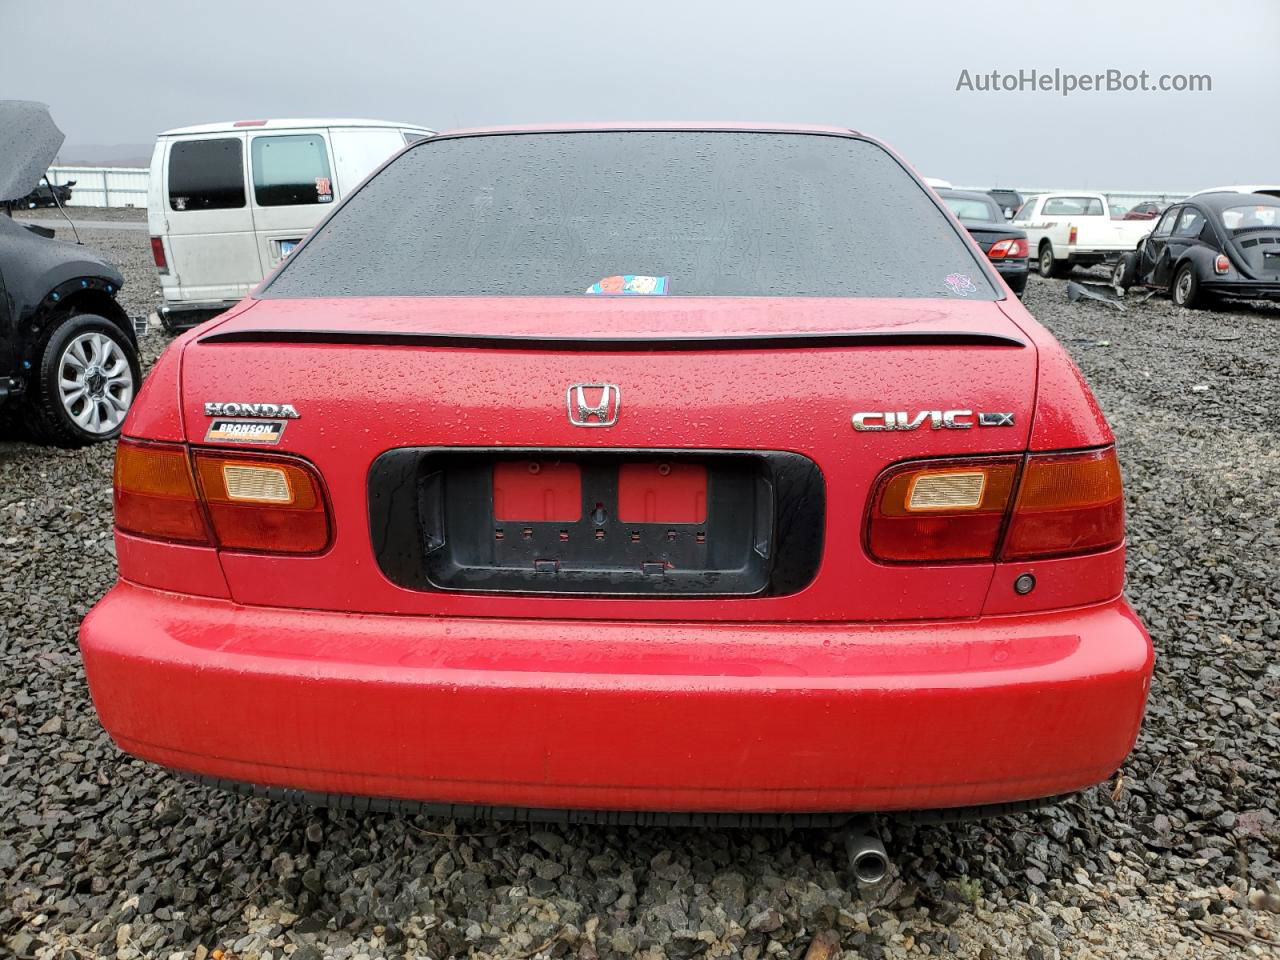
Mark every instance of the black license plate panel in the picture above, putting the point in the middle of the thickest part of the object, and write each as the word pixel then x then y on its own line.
pixel 433 519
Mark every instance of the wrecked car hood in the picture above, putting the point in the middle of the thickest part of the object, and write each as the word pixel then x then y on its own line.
pixel 29 140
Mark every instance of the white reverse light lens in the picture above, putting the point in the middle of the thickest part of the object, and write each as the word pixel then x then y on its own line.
pixel 256 484
pixel 947 491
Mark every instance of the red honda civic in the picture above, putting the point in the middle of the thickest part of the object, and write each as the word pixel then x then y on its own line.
pixel 691 470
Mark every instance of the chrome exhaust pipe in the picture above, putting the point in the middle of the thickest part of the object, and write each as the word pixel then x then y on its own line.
pixel 868 858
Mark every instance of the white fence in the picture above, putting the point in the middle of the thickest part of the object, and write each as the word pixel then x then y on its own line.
pixel 104 186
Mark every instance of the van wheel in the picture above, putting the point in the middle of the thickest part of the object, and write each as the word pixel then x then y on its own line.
pixel 86 380
pixel 1186 288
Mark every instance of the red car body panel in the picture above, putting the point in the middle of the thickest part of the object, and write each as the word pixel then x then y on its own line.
pixel 875 687
pixel 760 717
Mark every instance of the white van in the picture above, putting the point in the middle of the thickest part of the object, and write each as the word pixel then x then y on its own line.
pixel 226 202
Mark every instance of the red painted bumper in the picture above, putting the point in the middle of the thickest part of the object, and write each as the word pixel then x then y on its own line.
pixel 754 717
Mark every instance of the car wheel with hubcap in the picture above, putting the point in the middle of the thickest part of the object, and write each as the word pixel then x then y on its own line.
pixel 1186 287
pixel 87 380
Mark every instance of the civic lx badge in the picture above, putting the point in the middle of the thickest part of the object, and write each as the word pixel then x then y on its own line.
pixel 938 420
pixel 600 401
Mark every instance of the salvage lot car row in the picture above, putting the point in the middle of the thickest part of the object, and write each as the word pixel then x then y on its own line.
pixel 1160 860
pixel 1010 500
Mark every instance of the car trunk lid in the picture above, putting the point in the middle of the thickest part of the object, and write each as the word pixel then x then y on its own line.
pixel 746 402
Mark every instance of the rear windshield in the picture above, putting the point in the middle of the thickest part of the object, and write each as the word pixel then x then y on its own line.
pixel 1073 207
pixel 1251 216
pixel 966 208
pixel 682 213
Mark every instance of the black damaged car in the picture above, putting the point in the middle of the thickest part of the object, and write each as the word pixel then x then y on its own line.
pixel 68 352
pixel 1221 246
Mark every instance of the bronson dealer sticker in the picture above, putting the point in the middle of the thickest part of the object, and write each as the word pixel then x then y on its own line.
pixel 245 431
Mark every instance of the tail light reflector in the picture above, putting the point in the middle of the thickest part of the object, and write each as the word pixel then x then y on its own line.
pixel 267 504
pixel 941 511
pixel 157 254
pixel 1067 503
pixel 949 511
pixel 1013 248
pixel 155 495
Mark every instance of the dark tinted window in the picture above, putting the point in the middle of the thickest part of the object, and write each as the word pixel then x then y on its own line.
pixel 291 170
pixel 687 213
pixel 206 174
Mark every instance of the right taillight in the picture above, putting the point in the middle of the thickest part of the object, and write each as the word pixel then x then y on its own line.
pixel 1013 508
pixel 157 254
pixel 1012 248
pixel 1067 503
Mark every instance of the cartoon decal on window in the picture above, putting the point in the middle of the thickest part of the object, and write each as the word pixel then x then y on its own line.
pixel 630 285
pixel 959 284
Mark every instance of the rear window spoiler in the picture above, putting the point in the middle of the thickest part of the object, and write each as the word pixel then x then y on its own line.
pixel 765 341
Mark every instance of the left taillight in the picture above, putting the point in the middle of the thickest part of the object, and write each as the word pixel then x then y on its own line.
pixel 1012 248
pixel 1010 508
pixel 264 504
pixel 155 493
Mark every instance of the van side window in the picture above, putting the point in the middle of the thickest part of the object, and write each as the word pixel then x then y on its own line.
pixel 206 174
pixel 291 170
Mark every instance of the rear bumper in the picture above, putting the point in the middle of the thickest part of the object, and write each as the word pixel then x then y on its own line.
pixel 1094 255
pixel 1014 273
pixel 1243 289
pixel 710 717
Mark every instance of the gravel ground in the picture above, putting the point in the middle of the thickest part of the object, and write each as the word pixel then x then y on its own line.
pixel 101 855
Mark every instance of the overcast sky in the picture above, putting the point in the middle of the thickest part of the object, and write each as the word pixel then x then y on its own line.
pixel 119 71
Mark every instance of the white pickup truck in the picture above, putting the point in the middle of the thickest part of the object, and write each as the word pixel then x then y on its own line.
pixel 1065 230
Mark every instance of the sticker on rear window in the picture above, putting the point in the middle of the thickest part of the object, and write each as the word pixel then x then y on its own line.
pixel 630 285
pixel 245 431
pixel 959 284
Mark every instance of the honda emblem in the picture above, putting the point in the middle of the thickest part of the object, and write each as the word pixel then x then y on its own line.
pixel 593 404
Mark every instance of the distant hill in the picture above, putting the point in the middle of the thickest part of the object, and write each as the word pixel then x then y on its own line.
pixel 104 155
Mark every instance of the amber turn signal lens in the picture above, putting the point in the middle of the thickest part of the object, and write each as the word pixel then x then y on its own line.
pixel 154 493
pixel 1068 503
pixel 263 504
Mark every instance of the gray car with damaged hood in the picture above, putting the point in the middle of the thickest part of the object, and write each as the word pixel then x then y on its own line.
pixel 68 351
